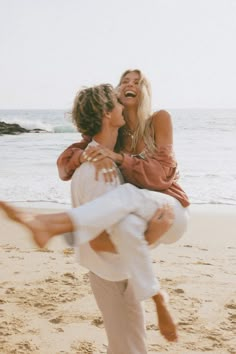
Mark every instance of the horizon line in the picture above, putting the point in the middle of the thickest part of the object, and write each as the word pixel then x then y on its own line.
pixel 66 109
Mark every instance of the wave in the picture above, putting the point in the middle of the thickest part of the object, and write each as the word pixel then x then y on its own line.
pixel 210 202
pixel 218 175
pixel 39 124
pixel 64 129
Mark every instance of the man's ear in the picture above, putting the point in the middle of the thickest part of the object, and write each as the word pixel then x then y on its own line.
pixel 107 115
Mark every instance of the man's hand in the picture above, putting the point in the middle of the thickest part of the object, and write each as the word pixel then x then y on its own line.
pixel 159 224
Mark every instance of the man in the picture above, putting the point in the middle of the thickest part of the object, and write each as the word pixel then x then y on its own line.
pixel 119 280
pixel 97 113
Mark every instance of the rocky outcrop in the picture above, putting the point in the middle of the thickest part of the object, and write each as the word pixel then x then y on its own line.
pixel 13 129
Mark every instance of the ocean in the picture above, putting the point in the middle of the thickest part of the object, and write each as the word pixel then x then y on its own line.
pixel 204 142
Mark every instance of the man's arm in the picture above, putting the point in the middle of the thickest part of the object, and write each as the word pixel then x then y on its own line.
pixel 86 188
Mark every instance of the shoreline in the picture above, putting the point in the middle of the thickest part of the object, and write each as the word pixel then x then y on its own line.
pixel 55 205
pixel 47 306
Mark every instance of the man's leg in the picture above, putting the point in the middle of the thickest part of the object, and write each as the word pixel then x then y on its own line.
pixel 123 316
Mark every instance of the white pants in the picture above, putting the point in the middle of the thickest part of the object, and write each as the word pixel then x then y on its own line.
pixel 122 314
pixel 124 213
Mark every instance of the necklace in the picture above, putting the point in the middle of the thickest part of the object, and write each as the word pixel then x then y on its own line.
pixel 126 131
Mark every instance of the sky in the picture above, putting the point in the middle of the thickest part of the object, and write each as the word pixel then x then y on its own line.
pixel 49 49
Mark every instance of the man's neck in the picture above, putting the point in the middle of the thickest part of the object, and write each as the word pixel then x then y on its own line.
pixel 107 138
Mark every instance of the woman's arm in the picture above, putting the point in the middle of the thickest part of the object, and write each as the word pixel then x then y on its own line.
pixel 156 171
pixel 163 129
pixel 69 160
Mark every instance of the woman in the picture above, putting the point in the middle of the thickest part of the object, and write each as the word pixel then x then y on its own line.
pixel 144 149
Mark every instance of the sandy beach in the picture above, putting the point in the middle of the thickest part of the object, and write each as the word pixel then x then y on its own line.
pixel 47 307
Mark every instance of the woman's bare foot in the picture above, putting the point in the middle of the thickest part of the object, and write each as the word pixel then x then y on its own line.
pixel 35 223
pixel 12 213
pixel 159 224
pixel 167 326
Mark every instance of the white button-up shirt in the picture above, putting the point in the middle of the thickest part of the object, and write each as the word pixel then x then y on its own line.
pixel 85 188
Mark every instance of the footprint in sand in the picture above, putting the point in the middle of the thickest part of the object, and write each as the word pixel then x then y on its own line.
pixel 151 327
pixel 68 251
pixel 203 263
pixel 70 275
pixel 46 250
pixel 10 291
pixel 179 291
pixel 231 307
pixel 84 347
pixel 86 278
pixel 56 320
pixel 97 321
pixel 26 347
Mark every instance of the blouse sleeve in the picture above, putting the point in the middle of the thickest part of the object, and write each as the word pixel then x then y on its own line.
pixel 69 160
pixel 155 172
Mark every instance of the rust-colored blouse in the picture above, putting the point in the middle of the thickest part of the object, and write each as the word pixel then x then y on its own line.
pixel 157 172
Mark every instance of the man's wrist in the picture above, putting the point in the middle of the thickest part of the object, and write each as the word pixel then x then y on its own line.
pixel 119 158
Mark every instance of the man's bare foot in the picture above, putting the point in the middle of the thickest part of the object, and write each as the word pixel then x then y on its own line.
pixel 35 223
pixel 159 224
pixel 167 326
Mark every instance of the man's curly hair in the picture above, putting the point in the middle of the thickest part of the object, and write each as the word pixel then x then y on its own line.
pixel 90 104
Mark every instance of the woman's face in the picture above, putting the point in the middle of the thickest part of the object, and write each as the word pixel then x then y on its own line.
pixel 129 89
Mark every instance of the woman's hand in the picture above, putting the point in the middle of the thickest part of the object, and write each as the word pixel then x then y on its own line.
pixel 97 153
pixel 107 167
pixel 159 224
pixel 103 160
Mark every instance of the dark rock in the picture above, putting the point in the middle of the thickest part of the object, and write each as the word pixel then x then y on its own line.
pixel 37 130
pixel 13 129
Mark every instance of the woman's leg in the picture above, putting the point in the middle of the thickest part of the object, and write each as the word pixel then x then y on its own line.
pixel 128 238
pixel 42 226
pixel 101 214
pixel 90 219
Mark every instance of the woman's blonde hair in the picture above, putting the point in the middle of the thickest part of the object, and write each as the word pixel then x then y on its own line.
pixel 89 106
pixel 144 128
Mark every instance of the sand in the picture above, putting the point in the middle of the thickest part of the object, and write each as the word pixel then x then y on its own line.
pixel 47 307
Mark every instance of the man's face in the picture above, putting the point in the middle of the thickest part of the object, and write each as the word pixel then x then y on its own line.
pixel 117 118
